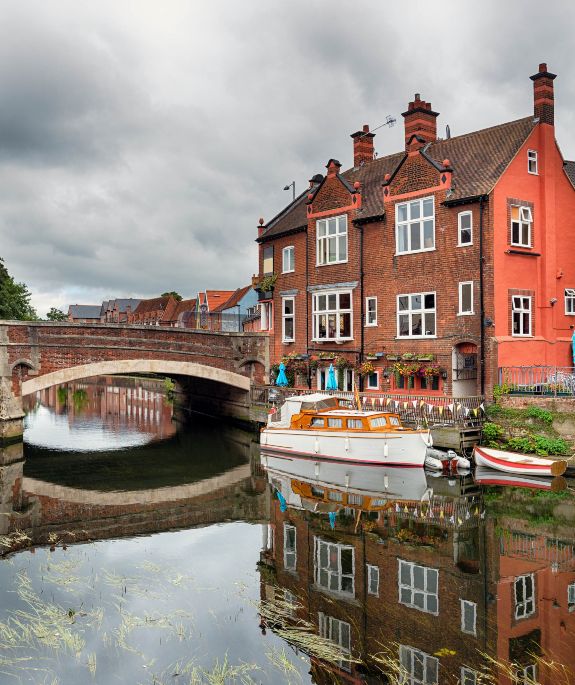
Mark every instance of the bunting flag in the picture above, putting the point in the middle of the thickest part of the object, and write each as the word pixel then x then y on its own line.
pixel 364 399
pixel 466 411
pixel 405 405
pixel 482 407
pixel 441 514
pixel 431 515
pixel 416 513
pixel 421 403
pixel 397 508
pixel 458 406
pixel 476 411
pixel 440 411
pixel 459 521
pixel 467 515
pixel 450 407
pixel 381 401
pixel 373 401
pixel 396 403
pixel 451 519
pixel 405 509
pixel 430 407
pixel 414 403
pixel 388 402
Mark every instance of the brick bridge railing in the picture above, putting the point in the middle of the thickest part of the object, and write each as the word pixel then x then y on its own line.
pixel 36 355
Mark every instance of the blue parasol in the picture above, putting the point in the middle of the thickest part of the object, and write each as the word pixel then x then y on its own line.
pixel 331 379
pixel 282 378
pixel 332 515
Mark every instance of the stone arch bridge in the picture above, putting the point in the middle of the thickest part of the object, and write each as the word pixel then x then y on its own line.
pixel 216 369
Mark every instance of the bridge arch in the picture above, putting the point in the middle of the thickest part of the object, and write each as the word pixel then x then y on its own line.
pixel 127 366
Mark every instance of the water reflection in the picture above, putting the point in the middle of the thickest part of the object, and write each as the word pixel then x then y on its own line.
pixel 420 582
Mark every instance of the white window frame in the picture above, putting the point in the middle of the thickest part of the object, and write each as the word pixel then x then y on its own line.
pixel 288 254
pixel 266 316
pixel 517 307
pixel 339 633
pixel 322 241
pixel 372 576
pixel 569 301
pixel 338 312
pixel 411 655
pixel 528 675
pixel 408 222
pixel 371 314
pixel 522 609
pixel 460 228
pixel 532 160
pixel 473 605
pixel 462 284
pixel 525 220
pixel 289 563
pixel 286 317
pixel 427 571
pixel 410 312
pixel 571 596
pixel 468 676
pixel 369 386
pixel 337 573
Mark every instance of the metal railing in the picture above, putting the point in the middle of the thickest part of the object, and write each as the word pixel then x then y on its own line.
pixel 551 381
pixel 413 409
pixel 559 553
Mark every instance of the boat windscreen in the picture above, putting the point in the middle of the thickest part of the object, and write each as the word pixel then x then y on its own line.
pixel 327 403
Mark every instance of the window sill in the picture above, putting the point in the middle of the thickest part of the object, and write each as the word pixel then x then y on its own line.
pixel 425 249
pixel 464 245
pixel 370 325
pixel 288 342
pixel 465 313
pixel 522 335
pixel 333 340
pixel 415 337
pixel 341 261
pixel 522 252
pixel 288 272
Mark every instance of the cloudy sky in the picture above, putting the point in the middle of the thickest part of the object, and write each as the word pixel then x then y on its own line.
pixel 140 141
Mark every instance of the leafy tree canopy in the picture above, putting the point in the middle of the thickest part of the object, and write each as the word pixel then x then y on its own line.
pixel 174 294
pixel 56 315
pixel 14 298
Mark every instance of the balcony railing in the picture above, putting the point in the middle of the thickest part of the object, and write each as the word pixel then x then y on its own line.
pixel 429 410
pixel 551 381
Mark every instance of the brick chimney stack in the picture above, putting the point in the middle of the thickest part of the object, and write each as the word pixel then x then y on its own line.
pixel 420 119
pixel 362 146
pixel 543 96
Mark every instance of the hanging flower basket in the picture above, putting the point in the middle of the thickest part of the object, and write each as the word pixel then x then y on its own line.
pixel 406 369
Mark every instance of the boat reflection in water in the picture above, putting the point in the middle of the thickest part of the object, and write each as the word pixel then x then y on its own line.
pixel 414 580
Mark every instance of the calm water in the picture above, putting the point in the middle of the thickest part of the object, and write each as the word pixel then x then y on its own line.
pixel 140 550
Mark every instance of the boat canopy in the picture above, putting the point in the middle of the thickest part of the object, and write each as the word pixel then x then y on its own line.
pixel 298 403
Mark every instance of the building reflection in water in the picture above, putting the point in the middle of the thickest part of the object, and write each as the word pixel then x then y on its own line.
pixel 116 404
pixel 415 579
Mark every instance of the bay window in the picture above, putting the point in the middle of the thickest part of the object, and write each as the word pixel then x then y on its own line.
pixel 332 316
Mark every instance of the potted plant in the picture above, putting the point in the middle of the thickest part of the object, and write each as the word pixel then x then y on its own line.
pixel 425 357
pixel 266 286
pixel 407 356
pixel 327 355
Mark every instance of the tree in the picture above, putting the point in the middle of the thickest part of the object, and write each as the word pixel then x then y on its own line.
pixel 174 294
pixel 56 315
pixel 14 298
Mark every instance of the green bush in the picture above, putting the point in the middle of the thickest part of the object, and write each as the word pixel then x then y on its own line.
pixel 540 414
pixel 538 444
pixel 491 432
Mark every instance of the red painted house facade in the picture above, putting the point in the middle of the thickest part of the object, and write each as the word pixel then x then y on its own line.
pixel 427 270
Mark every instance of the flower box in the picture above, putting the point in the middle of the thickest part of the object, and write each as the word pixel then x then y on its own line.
pixel 408 356
pixel 392 357
pixel 425 357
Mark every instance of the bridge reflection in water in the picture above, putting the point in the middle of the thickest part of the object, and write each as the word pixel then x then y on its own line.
pixel 417 579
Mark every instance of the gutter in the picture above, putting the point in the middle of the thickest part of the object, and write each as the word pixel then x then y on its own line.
pixel 482 199
pixel 361 308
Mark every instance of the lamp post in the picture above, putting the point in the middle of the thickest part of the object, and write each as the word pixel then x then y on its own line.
pixel 292 186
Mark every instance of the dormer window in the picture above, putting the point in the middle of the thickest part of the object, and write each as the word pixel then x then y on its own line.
pixel 521 220
pixel 532 161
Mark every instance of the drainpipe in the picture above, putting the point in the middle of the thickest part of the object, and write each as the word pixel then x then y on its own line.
pixel 481 299
pixel 307 296
pixel 362 313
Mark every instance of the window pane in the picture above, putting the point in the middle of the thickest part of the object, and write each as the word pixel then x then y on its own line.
pixel 331 326
pixel 418 662
pixel 331 257
pixel 331 302
pixel 415 231
pixel 345 325
pixel 320 302
pixel 428 234
pixel 288 306
pixel 332 226
pixel 430 301
pixel 288 329
pixel 405 595
pixel 465 221
pixel 403 302
pixel 515 213
pixel 432 604
pixel 416 324
pixel 402 212
pixel 465 236
pixel 320 229
pixel 343 247
pixel 466 297
pixel 334 423
pixel 429 324
pixel 345 301
pixel 404 573
pixel 428 207
pixel 402 239
pixel 414 210
pixel 404 325
pixel 416 301
pixel 432 580
pixel 419 577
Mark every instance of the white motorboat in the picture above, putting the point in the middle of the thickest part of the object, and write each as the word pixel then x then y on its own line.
pixel 325 425
pixel 486 476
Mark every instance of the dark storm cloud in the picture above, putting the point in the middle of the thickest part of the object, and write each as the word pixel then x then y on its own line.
pixel 139 144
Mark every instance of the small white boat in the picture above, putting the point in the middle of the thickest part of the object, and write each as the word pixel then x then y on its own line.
pixel 511 462
pixel 450 461
pixel 325 426
pixel 487 476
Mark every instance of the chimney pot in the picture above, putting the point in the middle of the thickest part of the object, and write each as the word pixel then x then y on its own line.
pixel 261 221
pixel 543 66
pixel 543 95
pixel 357 185
pixel 366 128
pixel 446 163
pixel 363 151
pixel 420 120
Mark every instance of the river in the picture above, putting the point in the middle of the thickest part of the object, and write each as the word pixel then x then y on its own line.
pixel 136 548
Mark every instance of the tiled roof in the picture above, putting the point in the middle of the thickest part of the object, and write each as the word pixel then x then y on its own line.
pixel 292 217
pixel 215 298
pixel 153 305
pixel 184 306
pixel 84 311
pixel 478 159
pixel 234 299
pixel 570 171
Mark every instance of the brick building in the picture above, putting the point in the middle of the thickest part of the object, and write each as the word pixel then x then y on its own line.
pixel 436 265
pixel 118 310
pixel 157 311
pixel 84 313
